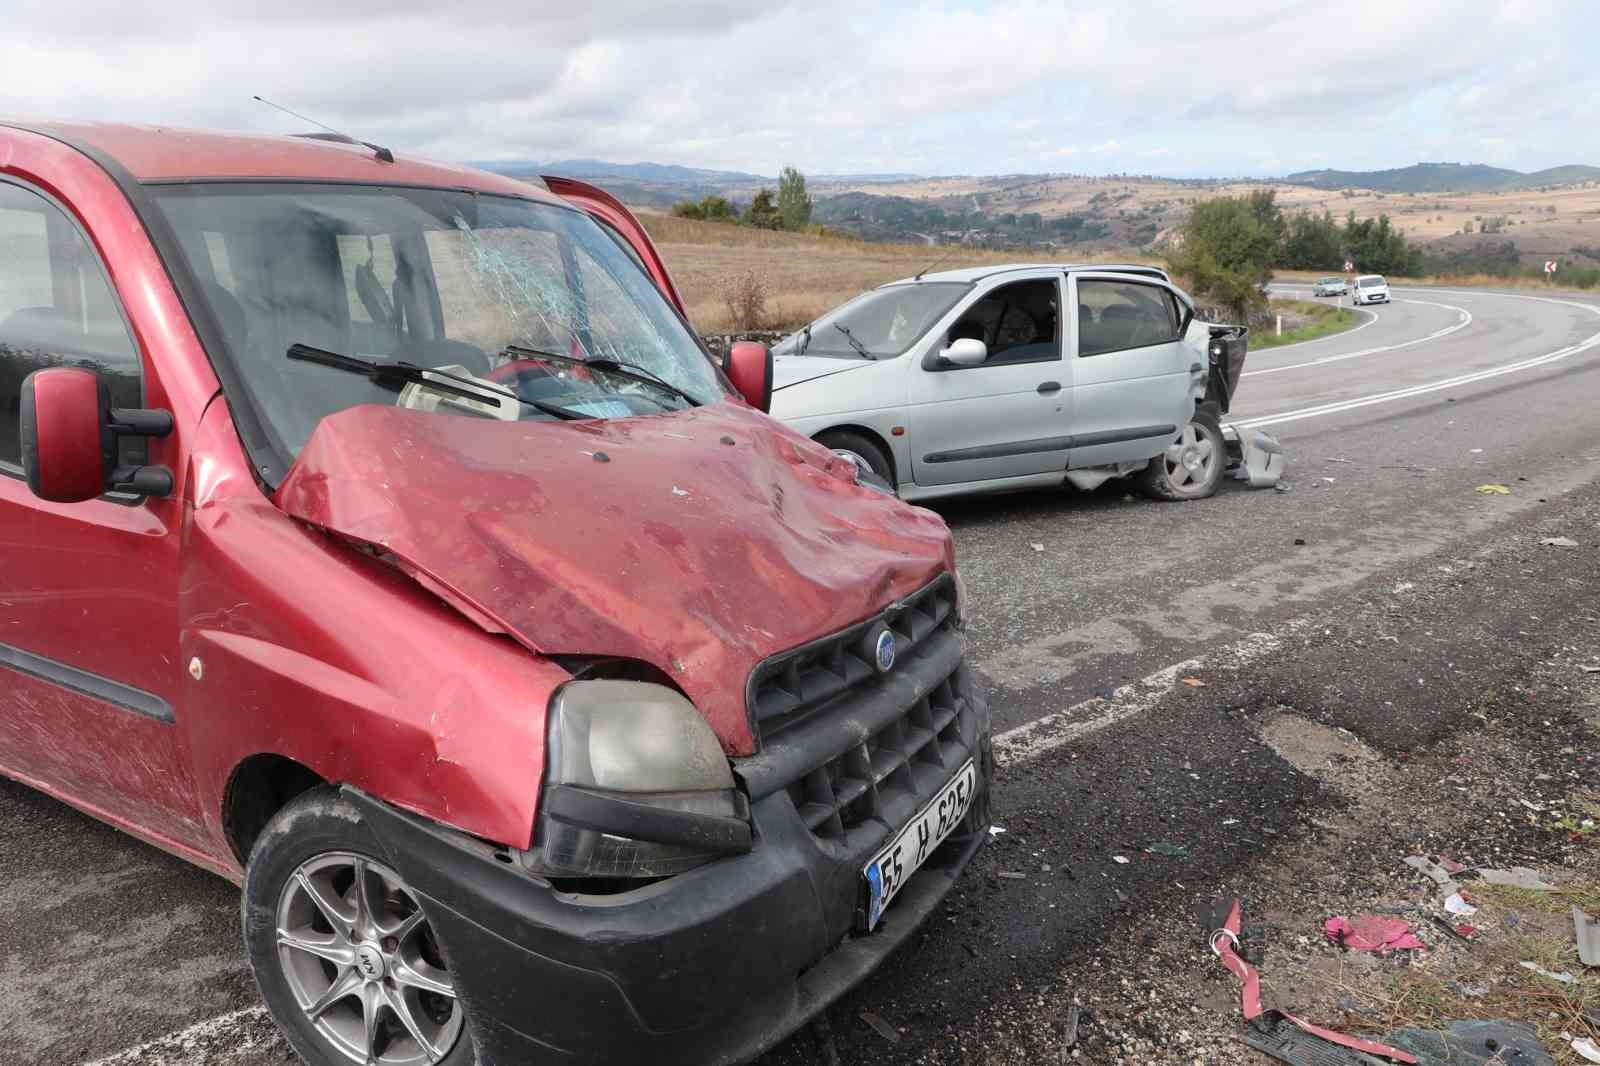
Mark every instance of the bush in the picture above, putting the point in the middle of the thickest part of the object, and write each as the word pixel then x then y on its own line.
pixel 745 297
pixel 763 213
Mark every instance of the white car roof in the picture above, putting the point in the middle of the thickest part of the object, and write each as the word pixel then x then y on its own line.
pixel 968 275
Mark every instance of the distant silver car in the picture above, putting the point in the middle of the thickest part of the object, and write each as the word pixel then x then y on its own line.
pixel 1370 289
pixel 973 380
pixel 1330 286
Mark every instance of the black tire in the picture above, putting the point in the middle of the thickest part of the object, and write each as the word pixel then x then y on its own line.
pixel 844 440
pixel 1171 480
pixel 322 827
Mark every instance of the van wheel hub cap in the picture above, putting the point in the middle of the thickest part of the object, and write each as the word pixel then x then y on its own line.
pixel 363 965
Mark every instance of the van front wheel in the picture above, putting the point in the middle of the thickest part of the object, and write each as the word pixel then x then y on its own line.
pixel 342 952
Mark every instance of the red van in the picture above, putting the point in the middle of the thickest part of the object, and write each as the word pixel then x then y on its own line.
pixel 378 535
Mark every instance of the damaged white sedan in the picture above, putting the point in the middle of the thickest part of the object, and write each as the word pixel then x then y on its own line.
pixel 975 381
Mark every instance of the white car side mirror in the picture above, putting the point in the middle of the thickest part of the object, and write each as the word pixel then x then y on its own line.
pixel 968 351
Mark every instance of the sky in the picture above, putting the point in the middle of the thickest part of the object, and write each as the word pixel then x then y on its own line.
pixel 1263 88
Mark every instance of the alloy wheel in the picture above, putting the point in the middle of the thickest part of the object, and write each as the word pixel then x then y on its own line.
pixel 1189 459
pixel 363 964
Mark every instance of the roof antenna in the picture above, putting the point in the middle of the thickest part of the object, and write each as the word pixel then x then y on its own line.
pixel 378 150
pixel 918 275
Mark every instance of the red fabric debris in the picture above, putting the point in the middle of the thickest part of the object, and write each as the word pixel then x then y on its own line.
pixel 1371 932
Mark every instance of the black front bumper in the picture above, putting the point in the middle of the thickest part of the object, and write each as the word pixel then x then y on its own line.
pixel 712 966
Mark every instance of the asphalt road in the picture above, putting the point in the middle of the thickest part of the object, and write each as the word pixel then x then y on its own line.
pixel 1089 609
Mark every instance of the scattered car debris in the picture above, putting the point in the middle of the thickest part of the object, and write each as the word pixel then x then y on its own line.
pixel 1274 1032
pixel 881 1027
pixel 996 830
pixel 1494 490
pixel 1559 542
pixel 1371 932
pixel 1404 586
pixel 1284 486
pixel 1474 1043
pixel 1037 547
pixel 1171 851
pixel 1194 682
pixel 1587 1048
pixel 1259 457
pixel 1457 904
pixel 1517 877
pixel 1564 978
pixel 1438 870
pixel 1071 1035
pixel 1120 860
pixel 1588 933
pixel 1331 459
pixel 676 491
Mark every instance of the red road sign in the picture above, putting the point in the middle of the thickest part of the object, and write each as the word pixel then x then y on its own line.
pixel 1549 266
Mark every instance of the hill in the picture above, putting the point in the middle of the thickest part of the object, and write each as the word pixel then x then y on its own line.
pixel 1567 175
pixel 1419 177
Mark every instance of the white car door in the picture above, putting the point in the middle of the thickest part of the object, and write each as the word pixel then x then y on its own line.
pixel 1134 374
pixel 1007 416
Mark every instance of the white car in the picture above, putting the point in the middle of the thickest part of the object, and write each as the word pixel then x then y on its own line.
pixel 1332 285
pixel 973 380
pixel 1370 289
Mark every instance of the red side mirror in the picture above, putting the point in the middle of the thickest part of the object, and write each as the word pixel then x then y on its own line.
pixel 69 439
pixel 66 454
pixel 749 367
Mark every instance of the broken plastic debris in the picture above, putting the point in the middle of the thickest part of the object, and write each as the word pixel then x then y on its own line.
pixel 1438 872
pixel 1370 932
pixel 1037 547
pixel 996 830
pixel 1121 860
pixel 1273 1032
pixel 1254 457
pixel 1587 1048
pixel 1457 904
pixel 1564 978
pixel 1331 459
pixel 1012 875
pixel 1559 542
pixel 1494 490
pixel 1404 586
pixel 1475 1043
pixel 1171 851
pixel 1588 933
pixel 676 491
pixel 1517 877
pixel 881 1027
pixel 1194 682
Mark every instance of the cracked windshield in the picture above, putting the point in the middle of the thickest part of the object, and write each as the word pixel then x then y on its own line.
pixel 511 309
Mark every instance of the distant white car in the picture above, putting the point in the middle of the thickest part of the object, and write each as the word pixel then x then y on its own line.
pixel 1371 289
pixel 1010 377
pixel 1330 286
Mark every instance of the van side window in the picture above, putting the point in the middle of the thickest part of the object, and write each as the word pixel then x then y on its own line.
pixel 1018 323
pixel 1114 316
pixel 56 309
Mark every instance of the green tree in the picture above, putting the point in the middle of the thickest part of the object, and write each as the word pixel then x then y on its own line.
pixel 1376 247
pixel 688 209
pixel 1227 248
pixel 763 213
pixel 1312 242
pixel 717 209
pixel 794 206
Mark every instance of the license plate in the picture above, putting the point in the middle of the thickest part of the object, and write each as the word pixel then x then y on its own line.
pixel 892 867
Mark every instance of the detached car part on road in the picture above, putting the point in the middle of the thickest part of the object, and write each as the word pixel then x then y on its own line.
pixel 974 381
pixel 378 535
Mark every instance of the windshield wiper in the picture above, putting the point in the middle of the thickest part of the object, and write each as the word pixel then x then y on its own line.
pixel 615 366
pixel 861 349
pixel 390 374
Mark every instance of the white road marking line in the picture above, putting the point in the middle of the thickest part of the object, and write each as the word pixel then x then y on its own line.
pixel 1033 739
pixel 179 1048
pixel 1463 323
pixel 1437 386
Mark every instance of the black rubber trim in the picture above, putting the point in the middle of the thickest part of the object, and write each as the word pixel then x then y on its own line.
pixel 1000 451
pixel 86 684
pixel 618 815
pixel 1117 436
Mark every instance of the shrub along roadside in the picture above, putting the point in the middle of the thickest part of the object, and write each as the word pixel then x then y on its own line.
pixel 1312 322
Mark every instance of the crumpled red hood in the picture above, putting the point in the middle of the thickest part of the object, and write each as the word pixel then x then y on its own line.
pixel 701 542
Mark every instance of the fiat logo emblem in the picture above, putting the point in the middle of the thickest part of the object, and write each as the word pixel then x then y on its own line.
pixel 884 650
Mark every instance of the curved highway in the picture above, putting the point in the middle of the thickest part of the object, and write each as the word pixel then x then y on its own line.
pixel 1090 611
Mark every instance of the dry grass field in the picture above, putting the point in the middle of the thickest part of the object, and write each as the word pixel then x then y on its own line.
pixel 803 275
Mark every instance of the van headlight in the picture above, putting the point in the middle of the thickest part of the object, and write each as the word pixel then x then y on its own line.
pixel 636 786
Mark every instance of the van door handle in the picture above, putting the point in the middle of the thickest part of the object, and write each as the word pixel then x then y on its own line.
pixel 1048 387
pixel 1195 368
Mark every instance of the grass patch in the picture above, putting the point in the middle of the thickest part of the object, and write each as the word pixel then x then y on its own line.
pixel 1314 320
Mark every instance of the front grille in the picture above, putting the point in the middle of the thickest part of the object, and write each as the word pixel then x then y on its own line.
pixel 858 750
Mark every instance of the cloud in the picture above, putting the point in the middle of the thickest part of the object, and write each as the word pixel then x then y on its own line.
pixel 937 87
